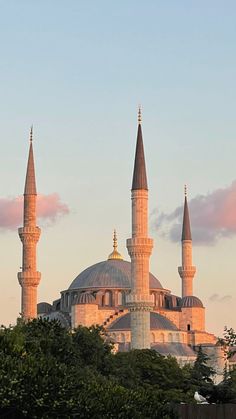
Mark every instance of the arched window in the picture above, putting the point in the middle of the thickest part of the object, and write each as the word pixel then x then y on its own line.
pixel 62 301
pixel 122 337
pixel 170 337
pixel 120 298
pixel 58 306
pixel 107 299
pixel 167 302
pixel 188 327
pixel 153 339
pixel 162 337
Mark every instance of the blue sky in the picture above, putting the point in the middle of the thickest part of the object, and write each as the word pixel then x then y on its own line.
pixel 77 70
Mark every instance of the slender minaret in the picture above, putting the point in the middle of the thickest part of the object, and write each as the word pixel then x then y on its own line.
pixel 29 277
pixel 139 301
pixel 186 271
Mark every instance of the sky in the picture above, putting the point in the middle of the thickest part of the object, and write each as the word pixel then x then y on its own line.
pixel 77 71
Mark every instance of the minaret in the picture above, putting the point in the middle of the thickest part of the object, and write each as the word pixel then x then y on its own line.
pixel 139 301
pixel 186 271
pixel 29 277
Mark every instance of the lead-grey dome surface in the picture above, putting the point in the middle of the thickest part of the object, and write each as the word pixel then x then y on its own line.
pixel 63 318
pixel 173 349
pixel 191 301
pixel 157 321
pixel 85 298
pixel 44 308
pixel 109 274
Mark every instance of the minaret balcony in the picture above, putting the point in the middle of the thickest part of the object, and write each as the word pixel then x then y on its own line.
pixel 29 278
pixel 139 246
pixel 139 304
pixel 186 271
pixel 140 301
pixel 31 234
pixel 28 230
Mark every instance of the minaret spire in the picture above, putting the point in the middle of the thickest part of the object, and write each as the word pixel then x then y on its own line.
pixel 186 230
pixel 139 173
pixel 186 271
pixel 31 133
pixel 139 301
pixel 139 114
pixel 29 234
pixel 30 183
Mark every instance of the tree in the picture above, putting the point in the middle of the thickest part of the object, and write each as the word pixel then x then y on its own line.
pixel 202 372
pixel 47 371
pixel 229 341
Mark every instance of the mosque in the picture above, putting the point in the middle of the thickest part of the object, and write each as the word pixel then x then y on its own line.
pixel 123 296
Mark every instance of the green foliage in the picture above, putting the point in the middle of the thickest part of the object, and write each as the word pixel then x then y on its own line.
pixel 229 341
pixel 47 371
pixel 202 372
pixel 146 368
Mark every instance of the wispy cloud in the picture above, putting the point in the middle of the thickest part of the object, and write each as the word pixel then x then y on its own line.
pixel 49 208
pixel 213 216
pixel 216 298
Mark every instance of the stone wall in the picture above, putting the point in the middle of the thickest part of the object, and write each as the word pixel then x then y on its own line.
pixel 192 318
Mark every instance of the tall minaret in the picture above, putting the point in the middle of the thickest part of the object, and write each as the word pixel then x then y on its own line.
pixel 29 234
pixel 186 271
pixel 140 302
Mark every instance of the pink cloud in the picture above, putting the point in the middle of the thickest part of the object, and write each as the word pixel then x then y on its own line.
pixel 49 208
pixel 212 217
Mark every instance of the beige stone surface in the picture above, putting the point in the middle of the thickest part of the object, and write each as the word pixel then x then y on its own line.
pixel 187 270
pixel 84 315
pixel 194 317
pixel 140 302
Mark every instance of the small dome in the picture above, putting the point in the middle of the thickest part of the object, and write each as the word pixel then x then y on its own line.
pixel 85 298
pixel 44 308
pixel 114 273
pixel 63 318
pixel 157 321
pixel 191 301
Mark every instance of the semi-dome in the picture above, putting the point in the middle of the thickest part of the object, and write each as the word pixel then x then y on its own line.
pixel 112 273
pixel 157 321
pixel 191 301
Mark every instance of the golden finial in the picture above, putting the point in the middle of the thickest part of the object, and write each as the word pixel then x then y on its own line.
pixel 139 114
pixel 114 240
pixel 115 254
pixel 185 190
pixel 31 133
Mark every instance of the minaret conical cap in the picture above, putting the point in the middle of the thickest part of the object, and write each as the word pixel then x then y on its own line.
pixel 30 183
pixel 186 230
pixel 139 173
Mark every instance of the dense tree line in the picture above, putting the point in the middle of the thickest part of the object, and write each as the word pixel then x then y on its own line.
pixel 47 371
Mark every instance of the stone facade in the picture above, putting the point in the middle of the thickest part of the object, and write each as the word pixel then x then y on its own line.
pixel 192 318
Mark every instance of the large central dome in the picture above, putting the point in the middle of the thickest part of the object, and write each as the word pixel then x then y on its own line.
pixel 113 273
